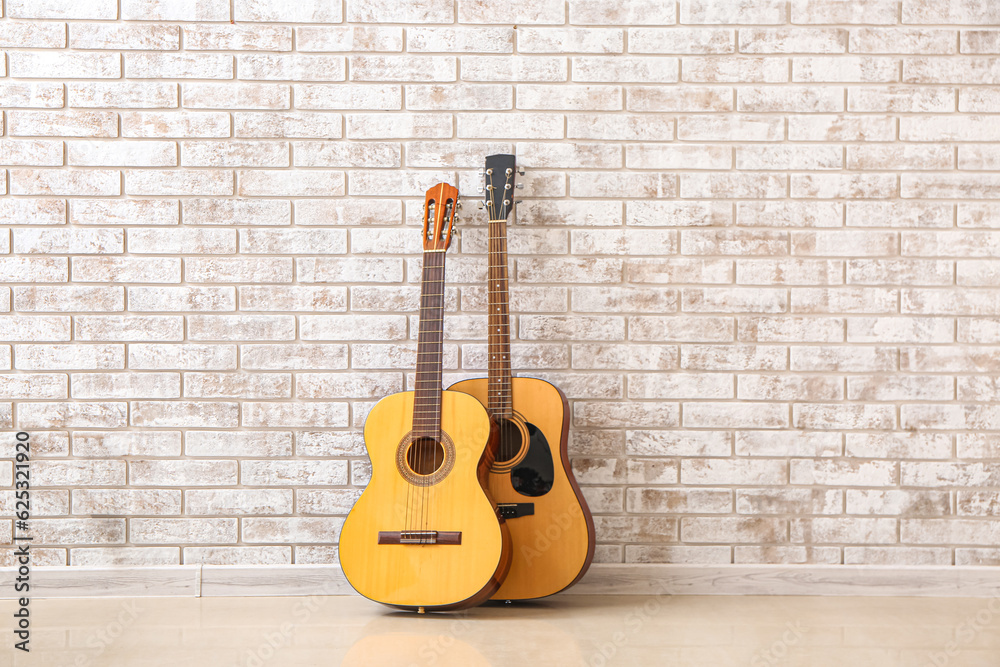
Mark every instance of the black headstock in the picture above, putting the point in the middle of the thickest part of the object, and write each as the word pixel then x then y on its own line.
pixel 499 177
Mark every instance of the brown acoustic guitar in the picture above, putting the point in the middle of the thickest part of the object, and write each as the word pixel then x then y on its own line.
pixel 424 535
pixel 530 478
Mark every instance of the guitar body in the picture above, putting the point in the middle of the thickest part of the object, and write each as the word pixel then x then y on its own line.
pixel 431 576
pixel 553 547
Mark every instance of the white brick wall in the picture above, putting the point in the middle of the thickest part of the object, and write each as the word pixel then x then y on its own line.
pixel 758 250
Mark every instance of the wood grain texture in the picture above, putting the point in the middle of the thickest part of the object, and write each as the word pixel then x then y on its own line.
pixel 430 576
pixel 101 582
pixel 553 547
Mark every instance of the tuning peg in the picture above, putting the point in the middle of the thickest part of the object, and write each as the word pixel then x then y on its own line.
pixel 519 186
pixel 482 205
pixel 520 170
pixel 518 201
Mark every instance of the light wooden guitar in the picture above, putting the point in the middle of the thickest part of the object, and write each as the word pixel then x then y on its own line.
pixel 424 535
pixel 530 479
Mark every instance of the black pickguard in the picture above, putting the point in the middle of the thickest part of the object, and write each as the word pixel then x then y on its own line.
pixel 534 475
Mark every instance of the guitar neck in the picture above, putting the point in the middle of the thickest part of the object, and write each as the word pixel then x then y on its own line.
pixel 427 392
pixel 500 405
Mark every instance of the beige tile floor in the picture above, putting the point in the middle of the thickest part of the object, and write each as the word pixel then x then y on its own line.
pixel 566 630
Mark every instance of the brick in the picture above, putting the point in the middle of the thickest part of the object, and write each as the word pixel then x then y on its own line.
pixel 71 415
pixel 315 414
pixel 178 66
pixel 951 70
pixel 403 68
pixel 735 415
pixel 716 128
pixel 62 124
pixel 352 327
pixel 980 41
pixel 815 358
pixel 348 38
pixel 733 529
pixel 184 414
pixel 239 555
pixel 236 95
pixel 34 385
pixel 680 99
pixel 946 128
pixel 124 37
pixel 128 95
pixel 65 65
pixel 677 443
pixel 790 329
pixel 34 269
pixel 901 99
pixel 19 94
pixel 51 182
pixel 900 330
pixel 789 272
pixel 238 501
pixel 976 330
pixel 649 328
pixel 126 501
pixel 237 385
pixel 844 11
pixel 950 186
pixel 842 529
pixel 793 40
pixel 788 443
pixel 181 241
pixel 184 531
pixel 624 69
pixel 237 270
pixel 513 68
pixel 844 186
pixel 237 37
pixel 460 40
pixel 899 445
pixel 237 443
pixel 127 269
pixel 729 11
pixel 788 501
pixel 126 385
pixel 841 128
pixel 234 154
pixel 76 241
pixel 520 126
pixel 241 327
pixel 849 69
pixel 76 531
pixel 187 356
pixel 174 10
pixel 958 11
pixel 578 98
pixel 790 99
pixel 237 212
pixel 32 152
pixel 131 328
pixel 329 96
pixel 902 157
pixel 948 531
pixel 302 183
pixel 181 299
pixel 293 241
pixel 734 69
pixel 572 40
pixel 767 157
pixel 28 34
pixel 179 182
pixel 901 271
pixel 122 153
pixel 187 125
pixel 68 298
pixel 904 40
pixel 275 11
pixel 290 67
pixel 389 126
pixel 293 530
pixel 789 555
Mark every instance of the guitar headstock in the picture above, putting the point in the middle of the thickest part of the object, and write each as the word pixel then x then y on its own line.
pixel 440 206
pixel 499 177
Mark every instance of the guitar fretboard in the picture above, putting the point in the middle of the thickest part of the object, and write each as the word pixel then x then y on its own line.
pixel 499 323
pixel 427 392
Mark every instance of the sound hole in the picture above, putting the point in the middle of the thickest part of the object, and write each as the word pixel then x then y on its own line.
pixel 510 441
pixel 424 456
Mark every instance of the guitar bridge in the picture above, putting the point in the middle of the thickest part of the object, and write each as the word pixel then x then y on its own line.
pixel 419 537
pixel 515 510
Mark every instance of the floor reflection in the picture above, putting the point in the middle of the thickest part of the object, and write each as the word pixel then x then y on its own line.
pixel 566 631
